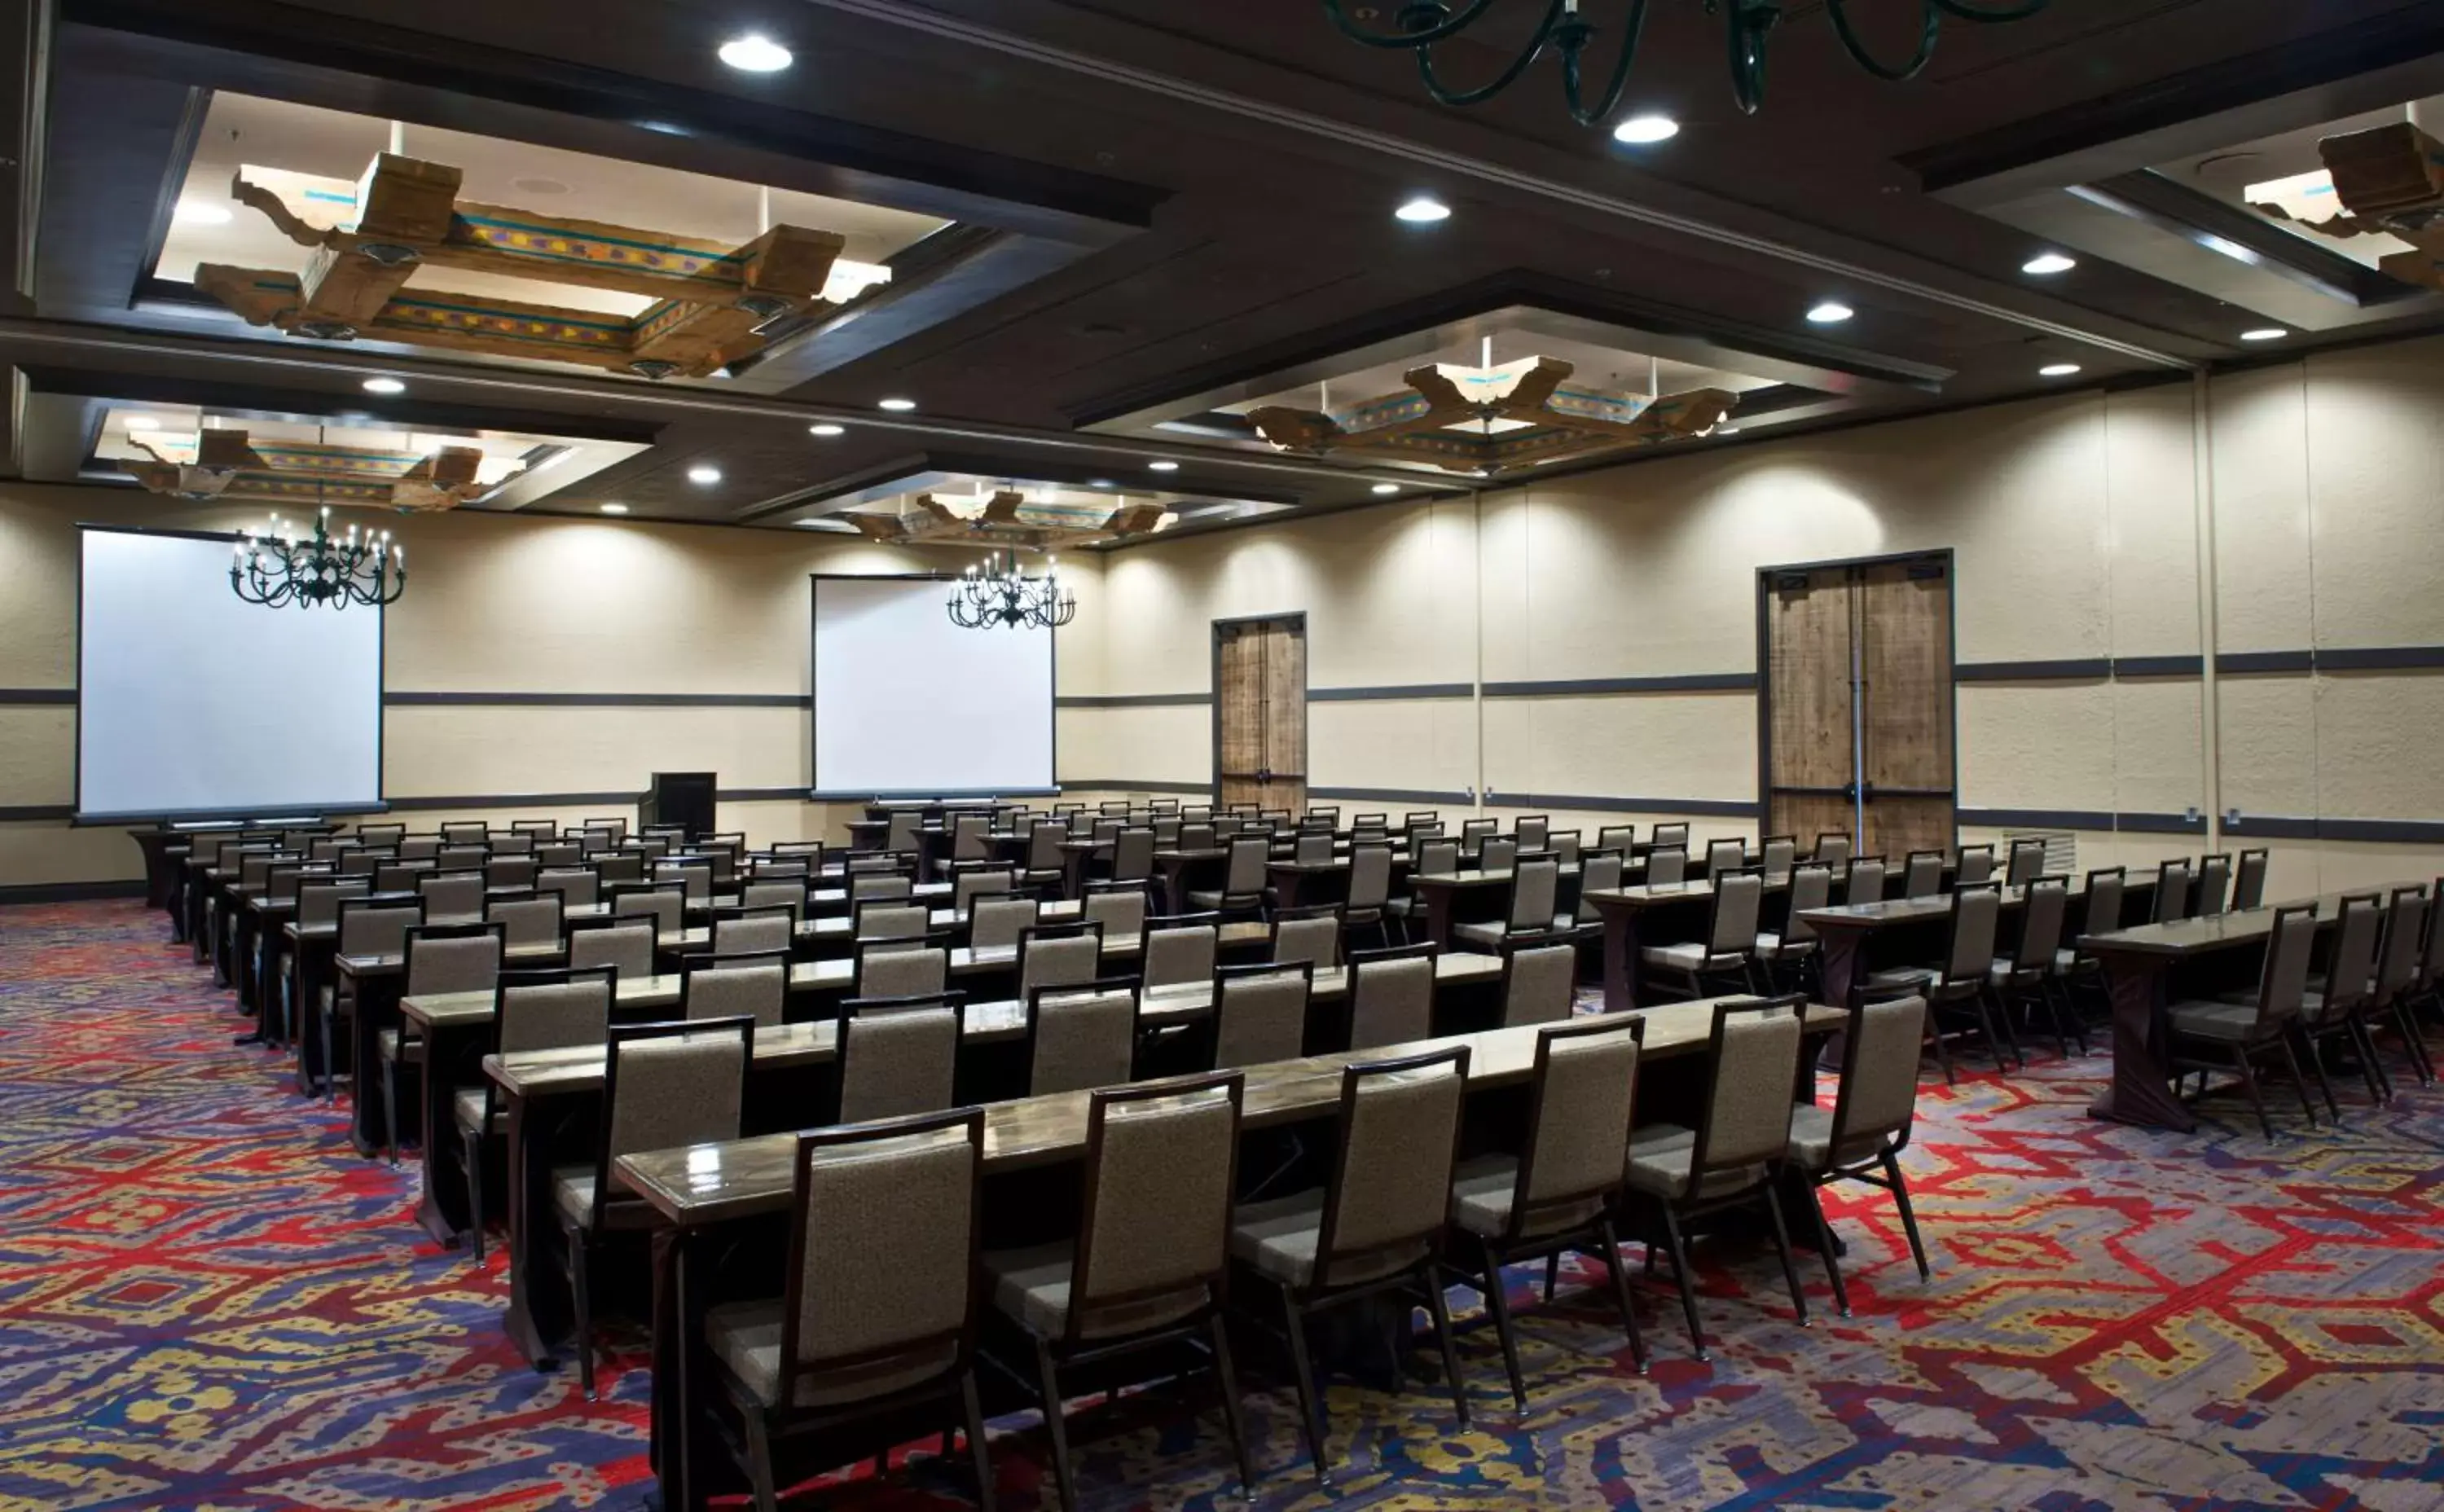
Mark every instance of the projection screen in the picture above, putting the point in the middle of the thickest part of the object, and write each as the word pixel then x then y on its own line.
pixel 192 703
pixel 909 704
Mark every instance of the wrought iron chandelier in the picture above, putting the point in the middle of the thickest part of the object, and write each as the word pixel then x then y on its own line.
pixel 1419 24
pixel 994 595
pixel 274 568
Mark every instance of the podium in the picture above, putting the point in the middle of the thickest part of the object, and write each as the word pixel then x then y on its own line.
pixel 684 799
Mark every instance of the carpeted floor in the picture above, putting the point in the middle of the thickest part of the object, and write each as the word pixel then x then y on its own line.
pixel 207 1302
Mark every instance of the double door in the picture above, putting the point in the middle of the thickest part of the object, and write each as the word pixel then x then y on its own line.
pixel 1858 704
pixel 1260 712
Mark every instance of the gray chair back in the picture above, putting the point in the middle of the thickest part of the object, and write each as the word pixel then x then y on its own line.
pixel 1878 1094
pixel 1314 848
pixel 892 921
pixel 1315 938
pixel 627 947
pixel 1530 830
pixel 900 833
pixel 371 928
pixel 533 921
pixel 781 893
pixel 1197 836
pixel 2431 967
pixel 1391 1000
pixel 1923 876
pixel 1580 1107
pixel 1667 866
pixel 1599 872
pixel 1976 865
pixel 620 866
pixel 1260 1013
pixel 578 886
pixel 1370 876
pixel 364 861
pixel 772 929
pixel 898 1058
pixel 1437 858
pixel 2214 881
pixel 965 887
pixel 2173 882
pixel 2405 936
pixel 559 853
pixel 1121 911
pixel 1535 890
pixel 968 832
pixel 1833 849
pixel 1976 910
pixel 381 834
pixel 1473 833
pixel 2028 863
pixel 2043 905
pixel 452 958
pixel 1044 846
pixel 1155 1229
pixel 1389 1193
pixel 1621 838
pixel 1538 984
pixel 1811 887
pixel 1746 1126
pixel 1498 853
pixel 1740 900
pixel 1724 855
pixel 2350 971
pixel 511 870
pixel 996 922
pixel 451 896
pixel 2282 981
pixel 1133 853
pixel 1245 875
pixel 881 887
pixel 2248 880
pixel 2103 914
pixel 1181 953
pixel 318 903
pixel 667 1085
pixel 1058 960
pixel 1082 1036
pixel 901 971
pixel 665 906
pixel 1564 846
pixel 1866 883
pixel 551 1010
pixel 1779 854
pixel 736 988
pixel 466 832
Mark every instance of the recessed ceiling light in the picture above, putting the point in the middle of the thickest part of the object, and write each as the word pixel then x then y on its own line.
pixel 811 523
pixel 1829 313
pixel 827 429
pixel 383 385
pixel 756 54
pixel 201 212
pixel 1424 211
pixel 613 508
pixel 1640 131
pixel 706 476
pixel 1387 488
pixel 2265 333
pixel 1725 430
pixel 1162 467
pixel 898 406
pixel 2058 370
pixel 1098 483
pixel 2046 264
pixel 142 422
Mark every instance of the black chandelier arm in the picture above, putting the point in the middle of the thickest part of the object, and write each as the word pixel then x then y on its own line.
pixel 2009 12
pixel 1424 36
pixel 1573 49
pixel 1930 26
pixel 1748 23
pixel 1500 82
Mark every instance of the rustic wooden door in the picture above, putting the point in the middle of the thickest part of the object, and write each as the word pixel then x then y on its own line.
pixel 1857 704
pixel 1260 712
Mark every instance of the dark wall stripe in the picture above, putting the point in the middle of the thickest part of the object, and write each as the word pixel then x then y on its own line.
pixel 30 813
pixel 2159 824
pixel 2274 827
pixel 1703 682
pixel 602 700
pixel 1131 700
pixel 2379 658
pixel 1129 785
pixel 2036 817
pixel 2392 831
pixel 2160 666
pixel 70 892
pixel 2242 663
pixel 2087 669
pixel 1389 692
pixel 1709 807
pixel 727 795
pixel 1393 795
pixel 38 695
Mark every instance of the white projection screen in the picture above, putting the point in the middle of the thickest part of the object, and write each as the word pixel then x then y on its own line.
pixel 193 703
pixel 908 705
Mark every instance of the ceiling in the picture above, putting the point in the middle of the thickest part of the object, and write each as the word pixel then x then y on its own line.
pixel 1109 227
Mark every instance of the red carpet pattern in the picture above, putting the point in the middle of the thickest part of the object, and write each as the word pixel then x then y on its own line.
pixel 207 1302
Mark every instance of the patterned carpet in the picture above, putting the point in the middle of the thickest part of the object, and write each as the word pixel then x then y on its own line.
pixel 207 1303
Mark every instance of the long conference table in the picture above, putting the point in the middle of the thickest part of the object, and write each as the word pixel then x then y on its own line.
pixel 541 1091
pixel 705 1196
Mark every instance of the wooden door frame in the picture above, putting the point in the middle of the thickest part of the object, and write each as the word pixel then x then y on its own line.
pixel 1765 664
pixel 1213 681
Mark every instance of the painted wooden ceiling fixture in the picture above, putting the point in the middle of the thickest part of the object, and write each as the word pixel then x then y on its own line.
pixel 1007 520
pixel 1493 420
pixel 714 303
pixel 226 466
pixel 2391 181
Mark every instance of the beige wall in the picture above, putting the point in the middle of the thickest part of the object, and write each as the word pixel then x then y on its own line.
pixel 2072 520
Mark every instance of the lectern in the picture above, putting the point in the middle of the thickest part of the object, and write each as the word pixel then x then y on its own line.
pixel 684 799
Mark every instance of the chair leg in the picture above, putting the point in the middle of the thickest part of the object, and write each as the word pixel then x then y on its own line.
pixel 2067 1010
pixel 976 1413
pixel 2379 1091
pixel 1909 1216
pixel 759 1461
pixel 390 1111
pixel 2309 1051
pixel 1781 1248
pixel 1499 1305
pixel 1051 1376
pixel 470 1144
pixel 2411 1041
pixel 1687 1283
pixel 1942 1051
pixel 1620 1270
pixel 330 1082
pixel 2256 1097
pixel 2299 1080
pixel 581 1304
pixel 1552 1273
pixel 1228 1378
pixel 2375 1064
pixel 1825 1248
pixel 1439 1307
pixel 1310 1410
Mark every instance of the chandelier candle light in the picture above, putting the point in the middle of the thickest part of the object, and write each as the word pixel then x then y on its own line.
pixel 274 568
pixel 995 594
